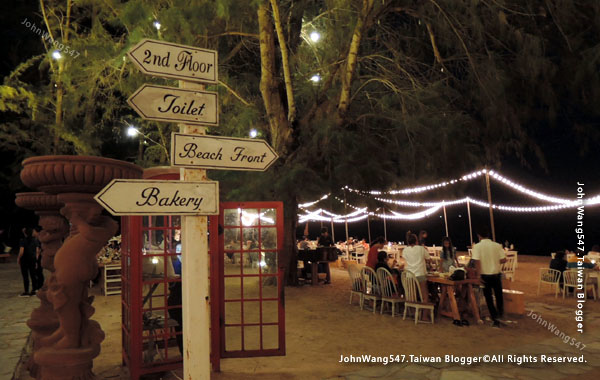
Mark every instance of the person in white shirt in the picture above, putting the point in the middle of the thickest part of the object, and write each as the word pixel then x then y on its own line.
pixel 417 257
pixel 488 257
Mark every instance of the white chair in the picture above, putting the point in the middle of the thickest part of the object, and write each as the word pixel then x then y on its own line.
pixel 413 297
pixel 508 268
pixel 371 290
pixel 357 283
pixel 389 292
pixel 359 254
pixel 550 277
pixel 570 281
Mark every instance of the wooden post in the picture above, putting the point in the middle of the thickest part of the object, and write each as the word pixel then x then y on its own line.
pixel 445 218
pixel 369 227
pixel 384 226
pixel 194 277
pixel 469 214
pixel 332 231
pixel 489 194
pixel 346 218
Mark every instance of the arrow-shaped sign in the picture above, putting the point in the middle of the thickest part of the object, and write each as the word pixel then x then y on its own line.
pixel 168 60
pixel 151 197
pixel 170 104
pixel 225 153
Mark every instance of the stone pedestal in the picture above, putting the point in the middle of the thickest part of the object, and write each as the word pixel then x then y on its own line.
pixel 65 339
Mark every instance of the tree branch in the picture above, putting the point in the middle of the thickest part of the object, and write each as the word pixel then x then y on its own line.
pixel 234 93
pixel 351 60
pixel 289 90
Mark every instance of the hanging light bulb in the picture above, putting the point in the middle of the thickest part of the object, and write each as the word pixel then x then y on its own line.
pixel 315 36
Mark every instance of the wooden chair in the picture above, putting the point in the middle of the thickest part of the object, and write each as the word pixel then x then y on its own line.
pixel 508 268
pixel 357 283
pixel 371 290
pixel 570 281
pixel 550 277
pixel 413 297
pixel 389 291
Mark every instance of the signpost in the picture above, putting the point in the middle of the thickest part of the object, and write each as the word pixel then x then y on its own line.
pixel 169 104
pixel 224 153
pixel 168 60
pixel 193 196
pixel 151 197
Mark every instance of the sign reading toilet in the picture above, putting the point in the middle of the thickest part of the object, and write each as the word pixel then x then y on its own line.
pixel 152 197
pixel 169 60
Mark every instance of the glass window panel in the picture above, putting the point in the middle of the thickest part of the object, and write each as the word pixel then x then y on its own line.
pixel 176 221
pixel 251 338
pixel 269 262
pixel 232 262
pixel 270 312
pixel 233 288
pixel 156 244
pixel 233 312
pixel 173 350
pixel 268 238
pixel 145 220
pixel 251 287
pixel 251 312
pixel 250 239
pixel 173 241
pixel 251 262
pixel 233 338
pixel 269 287
pixel 250 217
pixel 153 267
pixel 232 239
pixel 268 217
pixel 231 217
pixel 270 337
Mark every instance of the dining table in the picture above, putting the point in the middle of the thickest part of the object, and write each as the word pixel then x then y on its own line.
pixel 448 304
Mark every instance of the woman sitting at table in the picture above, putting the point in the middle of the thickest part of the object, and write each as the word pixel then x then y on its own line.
pixel 417 257
pixel 448 255
pixel 376 246
pixel 560 264
pixel 382 259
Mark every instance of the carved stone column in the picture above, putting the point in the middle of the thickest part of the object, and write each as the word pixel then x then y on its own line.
pixel 44 321
pixel 66 352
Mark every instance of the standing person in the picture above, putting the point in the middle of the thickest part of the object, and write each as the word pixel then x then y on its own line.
pixel 489 256
pixel 448 255
pixel 325 239
pixel 26 260
pixel 417 257
pixel 39 271
pixel 560 264
pixel 423 238
pixel 376 245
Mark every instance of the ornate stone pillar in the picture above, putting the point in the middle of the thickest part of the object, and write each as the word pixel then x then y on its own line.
pixel 66 347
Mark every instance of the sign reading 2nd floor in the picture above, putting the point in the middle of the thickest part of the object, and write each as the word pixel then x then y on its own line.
pixel 169 60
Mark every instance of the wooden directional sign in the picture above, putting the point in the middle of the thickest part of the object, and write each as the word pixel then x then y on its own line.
pixel 169 60
pixel 225 153
pixel 151 197
pixel 176 105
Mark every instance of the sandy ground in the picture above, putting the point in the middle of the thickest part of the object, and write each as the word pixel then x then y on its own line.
pixel 321 325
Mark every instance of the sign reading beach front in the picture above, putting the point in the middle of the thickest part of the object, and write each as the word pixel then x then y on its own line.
pixel 169 60
pixel 225 153
pixel 151 197
pixel 170 104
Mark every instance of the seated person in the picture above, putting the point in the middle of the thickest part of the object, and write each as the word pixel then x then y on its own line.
pixel 376 246
pixel 560 264
pixel 382 263
pixel 305 243
pixel 587 264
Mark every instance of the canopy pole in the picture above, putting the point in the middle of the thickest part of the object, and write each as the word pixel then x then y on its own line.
pixel 445 218
pixel 384 226
pixel 346 215
pixel 369 227
pixel 321 218
pixel 332 231
pixel 489 194
pixel 470 228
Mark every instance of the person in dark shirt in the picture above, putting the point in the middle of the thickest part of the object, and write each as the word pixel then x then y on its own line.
pixel 27 258
pixel 560 264
pixel 423 238
pixel 325 239
pixel 382 263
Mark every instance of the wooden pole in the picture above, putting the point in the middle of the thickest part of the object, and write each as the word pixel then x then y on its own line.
pixel 345 217
pixel 445 219
pixel 332 231
pixel 194 277
pixel 369 227
pixel 489 194
pixel 470 228
pixel 384 226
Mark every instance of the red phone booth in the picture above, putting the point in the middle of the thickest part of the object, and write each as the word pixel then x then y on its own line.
pixel 151 289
